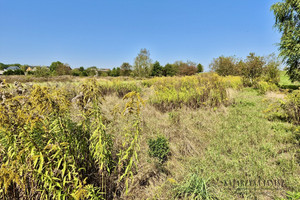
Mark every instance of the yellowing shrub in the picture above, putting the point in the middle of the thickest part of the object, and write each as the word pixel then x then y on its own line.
pixel 234 82
pixel 264 87
pixel 192 91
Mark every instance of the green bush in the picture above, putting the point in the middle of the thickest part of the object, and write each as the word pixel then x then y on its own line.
pixel 271 72
pixel 41 72
pixel 159 148
pixel 13 72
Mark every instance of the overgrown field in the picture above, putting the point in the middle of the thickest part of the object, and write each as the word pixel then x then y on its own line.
pixel 193 137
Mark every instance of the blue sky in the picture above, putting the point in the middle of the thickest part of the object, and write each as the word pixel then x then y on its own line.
pixel 107 33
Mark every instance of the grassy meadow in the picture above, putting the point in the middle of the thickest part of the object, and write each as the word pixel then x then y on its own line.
pixel 194 137
pixel 285 82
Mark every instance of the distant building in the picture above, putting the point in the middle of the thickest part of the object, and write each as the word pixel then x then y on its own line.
pixel 104 70
pixel 1 72
pixel 29 69
pixel 34 68
pixel 13 68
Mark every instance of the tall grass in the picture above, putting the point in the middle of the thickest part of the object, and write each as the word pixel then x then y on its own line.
pixel 193 91
pixel 193 187
pixel 80 140
pixel 46 154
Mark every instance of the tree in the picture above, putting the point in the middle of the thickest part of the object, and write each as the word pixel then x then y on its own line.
pixel 42 71
pixel 253 69
pixel 224 66
pixel 16 64
pixel 200 68
pixel 24 67
pixel 125 69
pixel 54 65
pixel 142 64
pixel 76 72
pixel 157 69
pixel 79 72
pixel 287 21
pixel 59 68
pixel 271 69
pixel 92 71
pixel 115 72
pixel 3 66
pixel 187 69
pixel 64 69
pixel 104 73
pixel 81 69
pixel 170 70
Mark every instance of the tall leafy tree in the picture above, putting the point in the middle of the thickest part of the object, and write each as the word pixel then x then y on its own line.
pixel 271 71
pixel 188 68
pixel 59 68
pixel 92 71
pixel 79 72
pixel 63 69
pixel 224 66
pixel 170 70
pixel 3 66
pixel 287 21
pixel 125 69
pixel 200 68
pixel 253 68
pixel 157 69
pixel 42 71
pixel 55 65
pixel 115 72
pixel 142 63
pixel 81 69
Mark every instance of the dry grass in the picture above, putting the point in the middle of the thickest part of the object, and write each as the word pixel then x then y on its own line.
pixel 219 142
pixel 226 142
pixel 188 138
pixel 27 79
pixel 275 95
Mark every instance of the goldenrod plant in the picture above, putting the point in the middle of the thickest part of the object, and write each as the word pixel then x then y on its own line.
pixel 128 154
pixel 191 91
pixel 47 154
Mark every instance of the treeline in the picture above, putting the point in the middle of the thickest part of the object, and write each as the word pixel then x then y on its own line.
pixel 156 69
pixel 137 70
pixel 142 67
pixel 252 69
